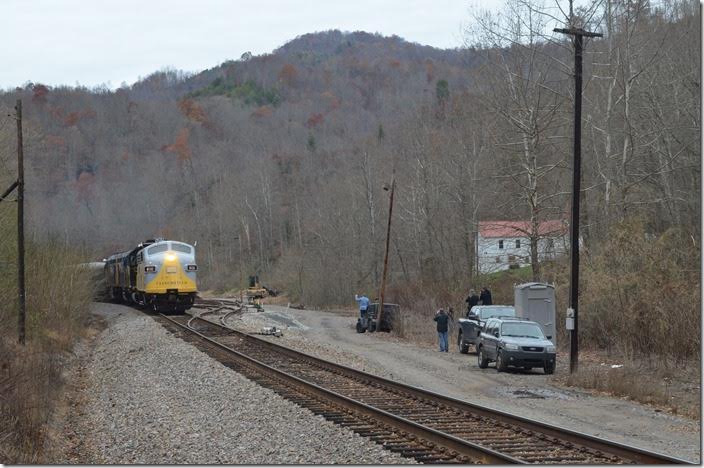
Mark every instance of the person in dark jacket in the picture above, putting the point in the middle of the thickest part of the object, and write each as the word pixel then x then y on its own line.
pixel 471 300
pixel 485 296
pixel 442 319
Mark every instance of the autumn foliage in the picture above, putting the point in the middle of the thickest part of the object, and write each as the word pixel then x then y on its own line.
pixel 180 146
pixel 193 111
pixel 288 74
pixel 39 93
pixel 84 186
pixel 262 111
pixel 314 120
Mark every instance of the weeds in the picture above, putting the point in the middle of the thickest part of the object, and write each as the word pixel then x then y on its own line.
pixel 58 297
pixel 639 383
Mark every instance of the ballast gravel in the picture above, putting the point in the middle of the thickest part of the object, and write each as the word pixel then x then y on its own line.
pixel 149 398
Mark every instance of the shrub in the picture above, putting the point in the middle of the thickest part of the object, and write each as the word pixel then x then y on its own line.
pixel 58 298
pixel 641 293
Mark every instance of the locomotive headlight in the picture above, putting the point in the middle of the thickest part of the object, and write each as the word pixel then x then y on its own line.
pixel 191 267
pixel 170 257
pixel 150 269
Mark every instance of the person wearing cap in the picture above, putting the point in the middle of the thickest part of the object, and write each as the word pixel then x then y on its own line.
pixel 442 320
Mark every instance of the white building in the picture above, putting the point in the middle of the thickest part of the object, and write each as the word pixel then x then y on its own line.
pixel 501 245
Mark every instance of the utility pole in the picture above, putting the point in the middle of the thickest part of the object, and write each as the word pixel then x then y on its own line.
pixel 20 225
pixel 578 35
pixel 239 242
pixel 386 254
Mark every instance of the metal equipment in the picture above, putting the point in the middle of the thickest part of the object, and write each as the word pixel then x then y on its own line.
pixel 390 314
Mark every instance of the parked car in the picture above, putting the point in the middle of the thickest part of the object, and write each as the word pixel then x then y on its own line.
pixel 471 325
pixel 515 342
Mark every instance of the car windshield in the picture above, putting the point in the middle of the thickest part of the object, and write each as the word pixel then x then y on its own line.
pixel 497 312
pixel 523 330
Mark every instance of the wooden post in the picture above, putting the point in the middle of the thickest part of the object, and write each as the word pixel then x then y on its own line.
pixel 579 35
pixel 386 256
pixel 20 226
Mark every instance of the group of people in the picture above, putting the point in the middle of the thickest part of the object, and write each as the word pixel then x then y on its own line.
pixel 484 298
pixel 442 318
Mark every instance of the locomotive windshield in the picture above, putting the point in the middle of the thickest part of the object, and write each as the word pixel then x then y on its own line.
pixel 180 247
pixel 155 249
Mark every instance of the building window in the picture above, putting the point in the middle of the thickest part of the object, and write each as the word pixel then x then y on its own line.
pixel 498 259
pixel 550 248
pixel 511 259
pixel 518 243
pixel 501 244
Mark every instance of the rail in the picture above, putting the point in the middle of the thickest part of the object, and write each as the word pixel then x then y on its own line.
pixel 467 431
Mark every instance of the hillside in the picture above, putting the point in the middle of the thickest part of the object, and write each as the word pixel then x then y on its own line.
pixel 276 164
pixel 308 99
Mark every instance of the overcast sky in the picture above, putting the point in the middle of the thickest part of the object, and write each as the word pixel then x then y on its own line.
pixel 95 42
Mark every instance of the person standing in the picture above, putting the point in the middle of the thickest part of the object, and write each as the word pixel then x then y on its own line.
pixel 442 320
pixel 485 296
pixel 363 302
pixel 471 300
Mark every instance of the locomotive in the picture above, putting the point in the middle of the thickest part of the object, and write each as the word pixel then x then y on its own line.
pixel 158 274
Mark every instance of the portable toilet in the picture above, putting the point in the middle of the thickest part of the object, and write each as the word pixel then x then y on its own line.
pixel 536 302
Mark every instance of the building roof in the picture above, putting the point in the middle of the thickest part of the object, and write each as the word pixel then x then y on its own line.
pixel 550 228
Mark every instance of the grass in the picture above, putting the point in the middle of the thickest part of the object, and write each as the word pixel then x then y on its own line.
pixel 661 387
pixel 58 298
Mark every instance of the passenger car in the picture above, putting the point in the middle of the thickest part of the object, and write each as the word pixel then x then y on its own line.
pixel 515 342
pixel 471 326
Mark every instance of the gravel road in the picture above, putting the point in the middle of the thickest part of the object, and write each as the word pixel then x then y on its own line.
pixel 141 396
pixel 331 336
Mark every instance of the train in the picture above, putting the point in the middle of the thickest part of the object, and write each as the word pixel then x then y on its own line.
pixel 157 274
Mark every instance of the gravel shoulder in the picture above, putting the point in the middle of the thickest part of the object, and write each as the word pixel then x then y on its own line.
pixel 530 394
pixel 137 395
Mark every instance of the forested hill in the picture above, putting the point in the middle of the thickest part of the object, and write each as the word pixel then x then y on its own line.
pixel 333 53
pixel 174 147
pixel 278 162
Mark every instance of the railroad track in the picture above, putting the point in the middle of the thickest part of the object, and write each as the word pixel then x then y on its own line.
pixel 423 425
pixel 225 307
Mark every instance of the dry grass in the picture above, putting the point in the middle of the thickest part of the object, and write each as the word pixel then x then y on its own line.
pixel 418 304
pixel 29 383
pixel 664 388
pixel 58 297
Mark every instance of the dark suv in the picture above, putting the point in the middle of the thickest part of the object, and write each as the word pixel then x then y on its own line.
pixel 515 342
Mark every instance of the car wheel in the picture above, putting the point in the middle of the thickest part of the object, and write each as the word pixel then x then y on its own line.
pixel 549 367
pixel 463 348
pixel 500 362
pixel 481 359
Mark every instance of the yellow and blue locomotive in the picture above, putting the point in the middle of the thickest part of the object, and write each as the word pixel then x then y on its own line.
pixel 157 274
